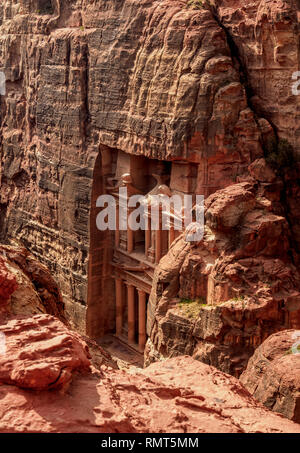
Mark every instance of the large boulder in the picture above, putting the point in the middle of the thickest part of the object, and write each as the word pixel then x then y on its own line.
pixel 273 373
pixel 219 299
pixel 36 290
pixel 8 285
pixel 40 353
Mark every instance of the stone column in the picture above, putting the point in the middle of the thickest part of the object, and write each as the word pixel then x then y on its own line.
pixel 142 320
pixel 131 314
pixel 147 242
pixel 119 306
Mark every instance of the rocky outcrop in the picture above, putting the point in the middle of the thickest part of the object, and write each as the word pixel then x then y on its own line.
pixel 40 353
pixel 219 299
pixel 44 285
pixel 41 335
pixel 265 37
pixel 273 374
pixel 210 87
pixel 8 285
pixel 32 289
pixel 47 386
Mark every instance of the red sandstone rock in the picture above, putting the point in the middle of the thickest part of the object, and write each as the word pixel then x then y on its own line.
pixel 41 353
pixel 8 284
pixel 164 81
pixel 199 399
pixel 37 290
pixel 273 374
pixel 220 299
pixel 27 286
pixel 150 78
pixel 261 171
pixel 226 211
pixel 266 36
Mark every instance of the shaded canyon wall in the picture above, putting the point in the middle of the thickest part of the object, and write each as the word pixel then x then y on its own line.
pixel 152 78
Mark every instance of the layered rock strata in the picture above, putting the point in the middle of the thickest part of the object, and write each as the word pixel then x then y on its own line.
pixel 150 78
pixel 47 385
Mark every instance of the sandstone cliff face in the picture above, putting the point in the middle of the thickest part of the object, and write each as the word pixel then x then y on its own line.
pixel 158 79
pixel 147 77
pixel 40 353
pixel 47 385
pixel 266 36
pixel 220 299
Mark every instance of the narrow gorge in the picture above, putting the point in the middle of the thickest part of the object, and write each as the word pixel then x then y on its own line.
pixel 158 99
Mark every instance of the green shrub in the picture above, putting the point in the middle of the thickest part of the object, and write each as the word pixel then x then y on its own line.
pixel 191 307
pixel 196 4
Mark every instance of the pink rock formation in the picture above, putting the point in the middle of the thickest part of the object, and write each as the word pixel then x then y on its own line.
pixel 273 374
pixel 37 290
pixel 266 37
pixel 153 78
pixel 239 281
pixel 42 355
pixel 30 287
pixel 8 284
pixel 192 86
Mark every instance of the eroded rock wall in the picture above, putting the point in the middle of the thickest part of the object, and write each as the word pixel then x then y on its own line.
pixel 266 36
pixel 219 299
pixel 147 77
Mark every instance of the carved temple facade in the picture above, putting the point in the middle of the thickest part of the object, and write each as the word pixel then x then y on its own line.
pixel 122 262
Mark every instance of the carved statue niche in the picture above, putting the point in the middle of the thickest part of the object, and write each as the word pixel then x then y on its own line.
pixel 156 241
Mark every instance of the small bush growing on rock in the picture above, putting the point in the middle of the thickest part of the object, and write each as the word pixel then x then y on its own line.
pixel 196 4
pixel 191 307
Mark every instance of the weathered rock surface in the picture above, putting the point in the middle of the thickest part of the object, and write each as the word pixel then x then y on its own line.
pixel 273 374
pixel 153 78
pixel 8 285
pixel 265 38
pixel 45 288
pixel 41 353
pixel 220 299
pixel 265 35
pixel 200 398
pixel 34 290
pixel 158 79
